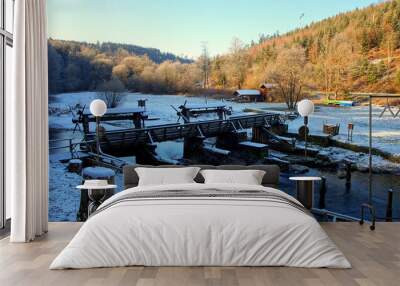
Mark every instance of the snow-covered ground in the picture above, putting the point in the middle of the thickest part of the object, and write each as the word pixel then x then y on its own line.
pixel 64 198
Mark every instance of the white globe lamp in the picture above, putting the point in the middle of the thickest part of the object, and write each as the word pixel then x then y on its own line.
pixel 305 108
pixel 98 108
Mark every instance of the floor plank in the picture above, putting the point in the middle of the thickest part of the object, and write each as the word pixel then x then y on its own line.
pixel 375 257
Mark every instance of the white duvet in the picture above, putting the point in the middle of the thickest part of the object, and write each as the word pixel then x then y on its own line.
pixel 200 232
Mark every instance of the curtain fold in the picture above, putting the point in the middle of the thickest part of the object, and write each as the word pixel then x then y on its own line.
pixel 27 124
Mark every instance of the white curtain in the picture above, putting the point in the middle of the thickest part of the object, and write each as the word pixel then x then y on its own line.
pixel 27 124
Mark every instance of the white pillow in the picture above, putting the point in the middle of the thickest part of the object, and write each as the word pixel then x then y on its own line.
pixel 244 177
pixel 166 176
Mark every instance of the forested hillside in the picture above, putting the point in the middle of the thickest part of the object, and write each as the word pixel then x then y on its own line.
pixel 78 66
pixel 354 51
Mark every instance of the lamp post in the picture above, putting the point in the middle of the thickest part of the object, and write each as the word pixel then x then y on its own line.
pixel 305 108
pixel 98 108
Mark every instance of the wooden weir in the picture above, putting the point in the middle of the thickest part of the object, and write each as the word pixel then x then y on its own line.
pixel 126 142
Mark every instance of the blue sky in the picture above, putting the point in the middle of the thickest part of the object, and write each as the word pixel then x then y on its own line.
pixel 179 26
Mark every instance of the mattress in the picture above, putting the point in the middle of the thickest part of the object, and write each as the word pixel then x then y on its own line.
pixel 201 225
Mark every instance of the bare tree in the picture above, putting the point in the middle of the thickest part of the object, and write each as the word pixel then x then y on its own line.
pixel 219 72
pixel 390 41
pixel 334 64
pixel 238 63
pixel 288 73
pixel 204 63
pixel 111 92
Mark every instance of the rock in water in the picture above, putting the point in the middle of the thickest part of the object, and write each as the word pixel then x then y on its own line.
pixel 75 166
pixel 298 169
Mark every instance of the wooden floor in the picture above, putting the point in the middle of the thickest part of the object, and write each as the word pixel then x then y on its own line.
pixel 375 257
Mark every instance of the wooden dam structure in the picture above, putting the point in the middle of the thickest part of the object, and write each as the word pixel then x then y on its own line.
pixel 231 133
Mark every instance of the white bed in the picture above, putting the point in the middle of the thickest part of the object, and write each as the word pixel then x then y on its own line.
pixel 206 230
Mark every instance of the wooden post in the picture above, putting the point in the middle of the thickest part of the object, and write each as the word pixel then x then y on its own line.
pixel 85 124
pixel 348 176
pixel 185 114
pixel 389 206
pixel 259 136
pixel 142 103
pixel 137 120
pixel 220 113
pixel 322 193
pixel 350 128
pixel 71 148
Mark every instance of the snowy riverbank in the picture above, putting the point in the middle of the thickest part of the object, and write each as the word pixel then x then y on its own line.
pixel 386 130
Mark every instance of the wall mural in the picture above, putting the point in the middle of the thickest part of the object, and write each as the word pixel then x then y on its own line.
pixel 203 82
